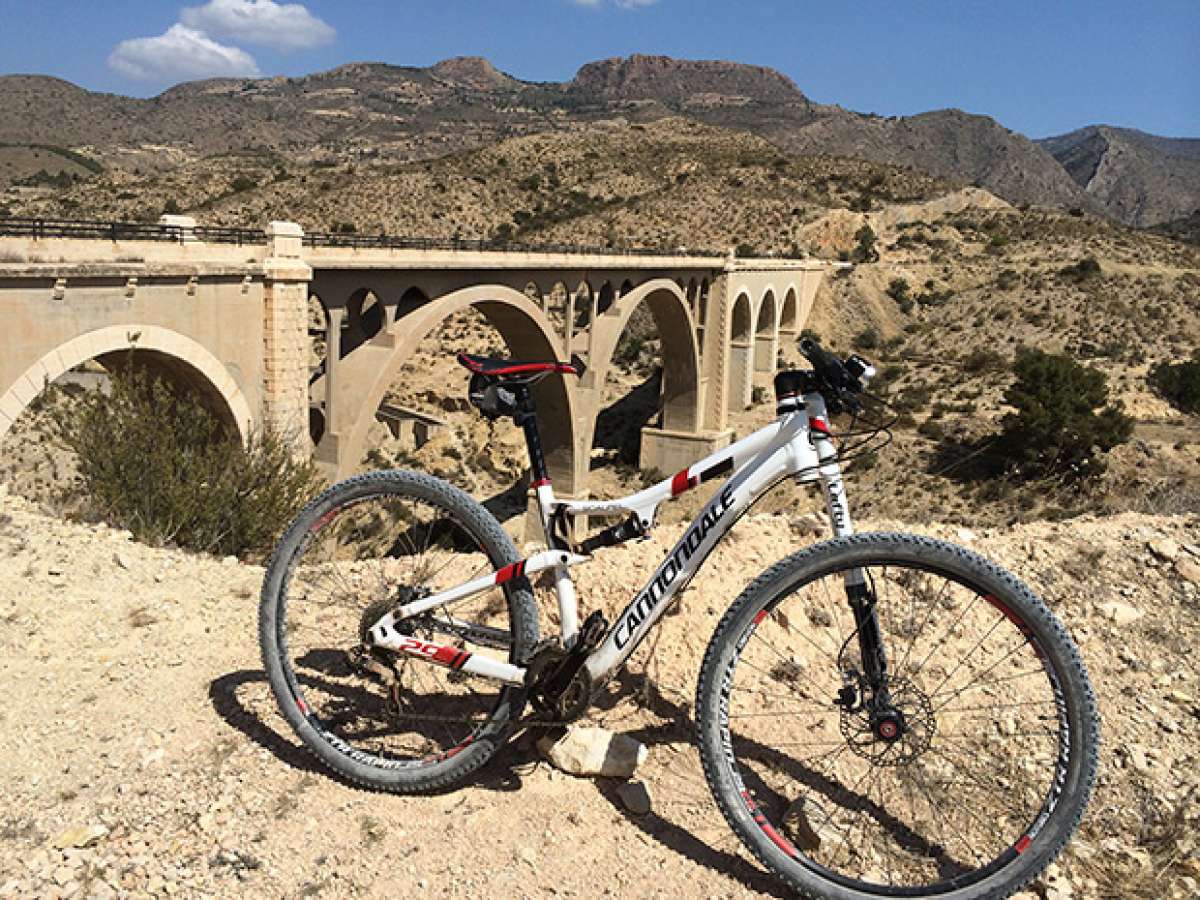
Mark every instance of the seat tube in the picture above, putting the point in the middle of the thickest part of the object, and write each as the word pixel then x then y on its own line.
pixel 564 587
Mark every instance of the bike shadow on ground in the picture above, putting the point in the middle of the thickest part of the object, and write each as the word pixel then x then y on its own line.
pixel 519 757
pixel 518 760
pixel 678 726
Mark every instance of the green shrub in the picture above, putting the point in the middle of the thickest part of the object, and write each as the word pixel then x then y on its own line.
pixel 154 460
pixel 1179 382
pixel 899 290
pixel 931 429
pixel 1055 428
pixel 1082 271
pixel 243 183
pixel 981 360
pixel 864 250
pixel 867 339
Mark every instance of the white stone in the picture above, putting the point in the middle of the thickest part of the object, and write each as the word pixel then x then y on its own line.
pixel 594 751
pixel 80 836
pixel 1120 613
pixel 1164 548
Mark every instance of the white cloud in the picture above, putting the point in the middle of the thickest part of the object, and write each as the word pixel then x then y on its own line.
pixel 180 53
pixel 283 26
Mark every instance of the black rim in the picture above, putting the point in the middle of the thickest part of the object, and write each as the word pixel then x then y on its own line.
pixel 889 797
pixel 358 559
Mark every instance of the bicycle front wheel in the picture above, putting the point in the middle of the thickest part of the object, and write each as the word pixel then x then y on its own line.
pixel 959 772
pixel 359 551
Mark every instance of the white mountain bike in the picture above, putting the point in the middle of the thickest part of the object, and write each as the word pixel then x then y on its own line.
pixel 878 715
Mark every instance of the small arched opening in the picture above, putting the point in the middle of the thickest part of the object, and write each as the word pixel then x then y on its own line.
pixel 766 334
pixel 741 353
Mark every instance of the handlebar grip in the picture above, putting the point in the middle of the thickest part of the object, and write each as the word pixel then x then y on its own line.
pixel 826 363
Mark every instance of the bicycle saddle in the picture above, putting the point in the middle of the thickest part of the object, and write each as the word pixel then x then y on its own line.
pixel 499 368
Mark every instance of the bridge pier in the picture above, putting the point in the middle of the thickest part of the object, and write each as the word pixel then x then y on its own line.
pixel 286 278
pixel 669 451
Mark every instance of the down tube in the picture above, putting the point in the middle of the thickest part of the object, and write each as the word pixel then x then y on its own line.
pixel 690 552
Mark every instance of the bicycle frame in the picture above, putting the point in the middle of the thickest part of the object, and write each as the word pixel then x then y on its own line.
pixel 798 444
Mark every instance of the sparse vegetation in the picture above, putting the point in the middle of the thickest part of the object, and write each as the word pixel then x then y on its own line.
pixel 864 249
pixel 156 461
pixel 1061 420
pixel 1087 268
pixel 899 290
pixel 1179 382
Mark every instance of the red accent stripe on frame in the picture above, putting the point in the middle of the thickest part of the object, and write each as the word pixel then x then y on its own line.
pixel 682 482
pixel 479 368
pixel 820 425
pixel 446 655
pixel 541 482
pixel 508 573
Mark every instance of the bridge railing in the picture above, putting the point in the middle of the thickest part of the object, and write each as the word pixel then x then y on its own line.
pixel 212 234
pixel 41 228
pixel 109 231
pixel 392 242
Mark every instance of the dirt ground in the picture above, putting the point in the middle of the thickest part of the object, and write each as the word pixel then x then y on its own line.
pixel 137 708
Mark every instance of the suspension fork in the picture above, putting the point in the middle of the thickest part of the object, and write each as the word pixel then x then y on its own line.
pixel 860 593
pixel 870 640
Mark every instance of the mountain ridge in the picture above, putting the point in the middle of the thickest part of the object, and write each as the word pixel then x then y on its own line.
pixel 1141 179
pixel 383 110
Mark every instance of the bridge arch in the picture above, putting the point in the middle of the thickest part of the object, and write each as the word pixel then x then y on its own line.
pixel 527 332
pixel 741 351
pixel 166 353
pixel 787 314
pixel 365 318
pixel 668 307
pixel 693 298
pixel 766 332
pixel 605 298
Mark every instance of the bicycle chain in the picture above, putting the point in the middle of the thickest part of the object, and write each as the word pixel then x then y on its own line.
pixel 392 683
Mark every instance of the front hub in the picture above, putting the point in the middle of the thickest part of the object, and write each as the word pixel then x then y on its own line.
pixel 889 725
pixel 892 728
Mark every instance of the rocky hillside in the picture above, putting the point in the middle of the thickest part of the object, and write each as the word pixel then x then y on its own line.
pixel 1139 179
pixel 659 184
pixel 373 110
pixel 962 280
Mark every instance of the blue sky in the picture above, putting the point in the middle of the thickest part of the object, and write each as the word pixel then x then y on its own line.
pixel 1039 66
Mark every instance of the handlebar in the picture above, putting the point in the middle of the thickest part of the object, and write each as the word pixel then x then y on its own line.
pixel 840 380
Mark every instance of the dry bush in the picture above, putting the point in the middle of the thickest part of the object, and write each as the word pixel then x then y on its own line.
pixel 154 460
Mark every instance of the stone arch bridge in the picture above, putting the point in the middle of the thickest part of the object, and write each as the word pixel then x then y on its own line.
pixel 226 313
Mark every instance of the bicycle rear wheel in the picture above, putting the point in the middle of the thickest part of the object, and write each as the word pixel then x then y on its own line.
pixel 381 718
pixel 960 774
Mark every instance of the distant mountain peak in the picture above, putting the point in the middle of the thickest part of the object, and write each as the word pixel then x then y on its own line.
pixel 472 71
pixel 671 80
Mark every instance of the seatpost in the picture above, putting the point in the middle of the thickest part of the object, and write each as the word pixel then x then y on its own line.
pixel 526 417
